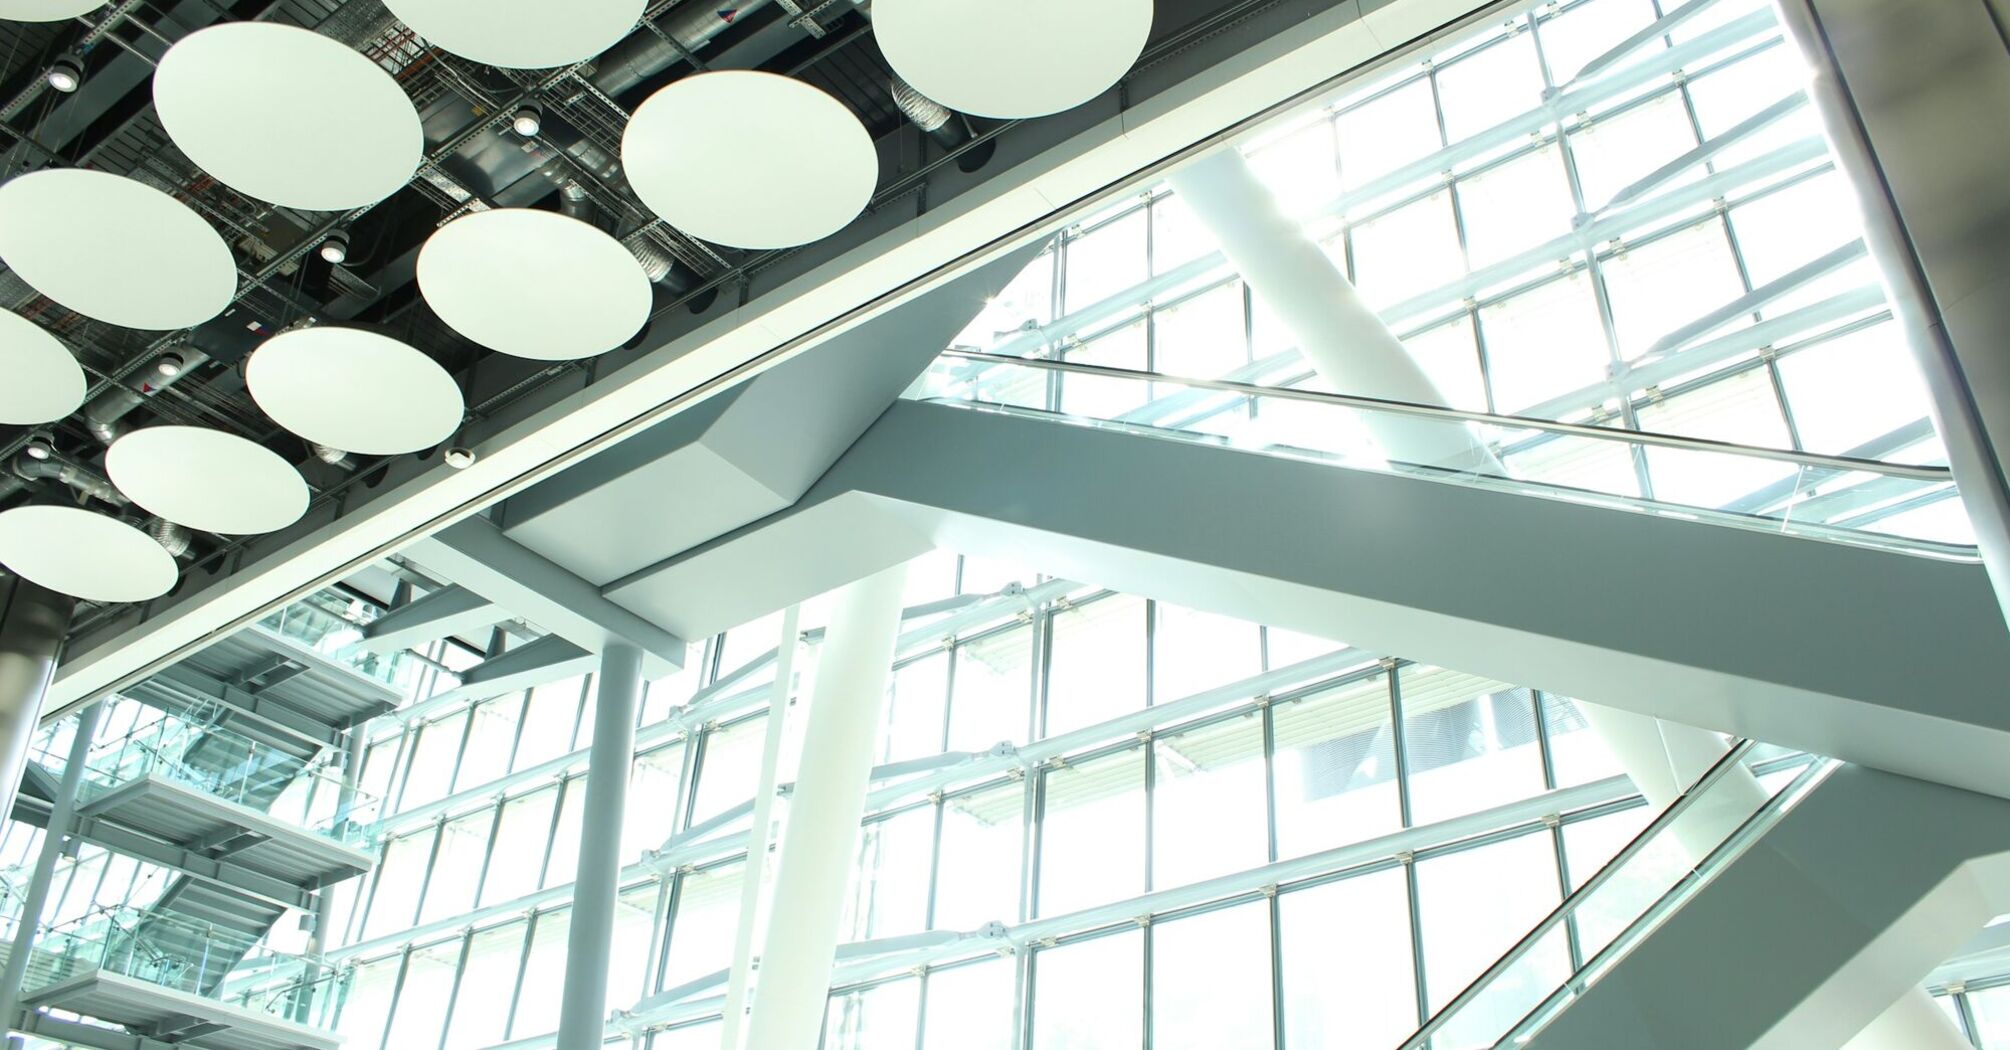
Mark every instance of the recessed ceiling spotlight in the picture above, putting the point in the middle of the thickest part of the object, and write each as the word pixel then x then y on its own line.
pixel 66 73
pixel 528 121
pixel 335 250
pixel 39 446
pixel 169 366
pixel 460 458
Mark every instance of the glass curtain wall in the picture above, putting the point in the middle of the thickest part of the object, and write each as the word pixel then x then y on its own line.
pixel 457 940
pixel 1656 241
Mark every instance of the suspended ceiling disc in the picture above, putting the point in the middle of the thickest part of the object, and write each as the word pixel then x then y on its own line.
pixel 207 479
pixel 520 34
pixel 534 284
pixel 750 160
pixel 354 390
pixel 1042 57
pixel 114 249
pixel 84 554
pixel 287 115
pixel 47 10
pixel 44 383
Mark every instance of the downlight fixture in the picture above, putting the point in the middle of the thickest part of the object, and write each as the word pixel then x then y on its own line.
pixel 335 249
pixel 66 73
pixel 459 458
pixel 528 121
pixel 40 446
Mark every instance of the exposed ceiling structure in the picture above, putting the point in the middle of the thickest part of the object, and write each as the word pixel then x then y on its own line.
pixel 188 181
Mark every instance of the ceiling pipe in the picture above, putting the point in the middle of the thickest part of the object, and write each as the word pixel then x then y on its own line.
pixel 59 467
pixel 174 539
pixel 949 129
pixel 104 415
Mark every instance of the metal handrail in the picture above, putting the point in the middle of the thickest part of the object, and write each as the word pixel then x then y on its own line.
pixel 1845 464
pixel 1730 760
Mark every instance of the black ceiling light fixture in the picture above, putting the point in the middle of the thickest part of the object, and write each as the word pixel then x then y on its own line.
pixel 335 248
pixel 66 73
pixel 528 120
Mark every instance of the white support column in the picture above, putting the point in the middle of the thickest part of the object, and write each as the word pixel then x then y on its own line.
pixel 1339 335
pixel 54 841
pixel 807 901
pixel 752 901
pixel 582 1017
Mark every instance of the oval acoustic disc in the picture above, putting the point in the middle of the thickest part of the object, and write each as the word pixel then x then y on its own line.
pixel 47 10
pixel 520 34
pixel 1043 57
pixel 44 383
pixel 354 390
pixel 207 479
pixel 287 115
pixel 84 554
pixel 534 284
pixel 114 249
pixel 750 160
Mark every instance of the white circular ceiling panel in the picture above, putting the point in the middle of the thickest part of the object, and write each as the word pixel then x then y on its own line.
pixel 44 383
pixel 750 160
pixel 84 554
pixel 521 34
pixel 534 284
pixel 287 115
pixel 354 390
pixel 114 249
pixel 207 479
pixel 1045 57
pixel 47 10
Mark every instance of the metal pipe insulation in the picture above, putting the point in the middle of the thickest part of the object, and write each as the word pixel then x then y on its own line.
pixel 104 415
pixel 58 467
pixel 949 129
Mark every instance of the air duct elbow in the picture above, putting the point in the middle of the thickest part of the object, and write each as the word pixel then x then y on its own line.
pixel 104 415
pixel 949 129
pixel 174 539
pixel 60 468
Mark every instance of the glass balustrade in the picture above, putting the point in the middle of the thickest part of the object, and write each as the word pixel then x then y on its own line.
pixel 1898 505
pixel 172 952
pixel 237 769
pixel 330 624
pixel 1701 834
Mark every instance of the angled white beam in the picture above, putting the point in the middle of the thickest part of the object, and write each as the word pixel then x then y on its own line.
pixel 476 555
pixel 548 659
pixel 444 613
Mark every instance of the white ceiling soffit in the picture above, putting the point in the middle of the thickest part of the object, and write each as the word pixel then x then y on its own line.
pixel 84 554
pixel 44 383
pixel 1029 60
pixel 750 160
pixel 1011 209
pixel 354 390
pixel 207 479
pixel 47 10
pixel 534 284
pixel 114 249
pixel 520 34
pixel 287 115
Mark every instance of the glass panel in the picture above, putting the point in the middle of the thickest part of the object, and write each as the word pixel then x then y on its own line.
pixel 480 1015
pixel 1348 963
pixel 1577 754
pixel 1090 995
pixel 1211 980
pixel 914 709
pixel 423 998
pixel 889 882
pixel 702 923
pixel 1991 1007
pixel 1194 651
pixel 1208 802
pixel 1097 665
pixel 970 1007
pixel 1336 768
pixel 520 846
pixel 878 1018
pixel 539 991
pixel 978 877
pixel 457 867
pixel 994 689
pixel 1470 742
pixel 1105 261
pixel 1474 904
pixel 1092 834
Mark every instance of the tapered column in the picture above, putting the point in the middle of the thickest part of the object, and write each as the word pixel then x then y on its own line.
pixel 582 1014
pixel 807 901
pixel 33 620
pixel 61 814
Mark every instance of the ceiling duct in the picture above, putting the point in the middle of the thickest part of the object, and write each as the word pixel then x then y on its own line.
pixel 104 415
pixel 949 129
pixel 173 538
pixel 55 466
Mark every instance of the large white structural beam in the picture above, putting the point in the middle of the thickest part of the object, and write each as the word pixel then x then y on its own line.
pixel 806 905
pixel 476 555
pixel 1773 637
pixel 1800 942
pixel 444 613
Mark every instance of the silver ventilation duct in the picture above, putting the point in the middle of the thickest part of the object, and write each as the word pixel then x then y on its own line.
pixel 104 414
pixel 939 122
pixel 173 538
pixel 58 467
